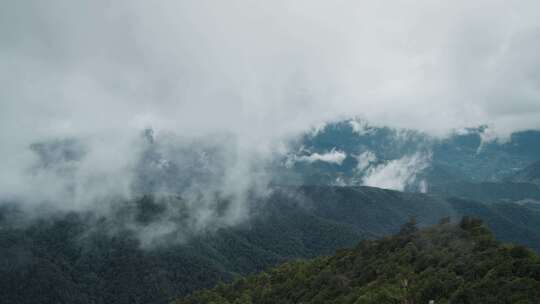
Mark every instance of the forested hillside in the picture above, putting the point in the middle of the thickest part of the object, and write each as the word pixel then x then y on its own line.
pixel 445 264
pixel 80 258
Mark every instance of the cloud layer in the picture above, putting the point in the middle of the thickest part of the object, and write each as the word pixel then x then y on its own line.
pixel 255 72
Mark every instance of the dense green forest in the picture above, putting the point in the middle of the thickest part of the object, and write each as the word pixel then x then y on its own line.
pixel 446 263
pixel 81 258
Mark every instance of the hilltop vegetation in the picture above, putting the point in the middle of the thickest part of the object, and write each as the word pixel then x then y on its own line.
pixel 445 264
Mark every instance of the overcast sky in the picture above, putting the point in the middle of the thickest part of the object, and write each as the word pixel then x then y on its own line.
pixel 261 70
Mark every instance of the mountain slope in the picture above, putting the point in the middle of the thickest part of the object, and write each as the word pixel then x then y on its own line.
pixel 530 174
pixel 76 258
pixel 444 264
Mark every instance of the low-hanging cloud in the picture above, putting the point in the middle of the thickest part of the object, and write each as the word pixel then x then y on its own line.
pixel 365 160
pixel 237 79
pixel 397 174
pixel 332 157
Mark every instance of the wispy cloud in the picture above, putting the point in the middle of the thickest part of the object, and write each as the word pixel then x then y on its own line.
pixel 365 160
pixel 333 157
pixel 396 174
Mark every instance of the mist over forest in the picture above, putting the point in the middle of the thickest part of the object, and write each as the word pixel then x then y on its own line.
pixel 153 151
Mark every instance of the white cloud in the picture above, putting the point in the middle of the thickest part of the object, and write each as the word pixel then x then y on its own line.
pixel 333 157
pixel 317 128
pixel 396 174
pixel 360 126
pixel 423 186
pixel 365 160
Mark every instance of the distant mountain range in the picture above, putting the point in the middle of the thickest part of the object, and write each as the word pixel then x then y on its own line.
pixel 468 155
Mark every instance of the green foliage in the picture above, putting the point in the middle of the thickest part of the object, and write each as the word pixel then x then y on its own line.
pixel 70 259
pixel 444 263
pixel 409 227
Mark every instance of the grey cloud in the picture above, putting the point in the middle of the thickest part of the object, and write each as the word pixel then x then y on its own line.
pixel 255 73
